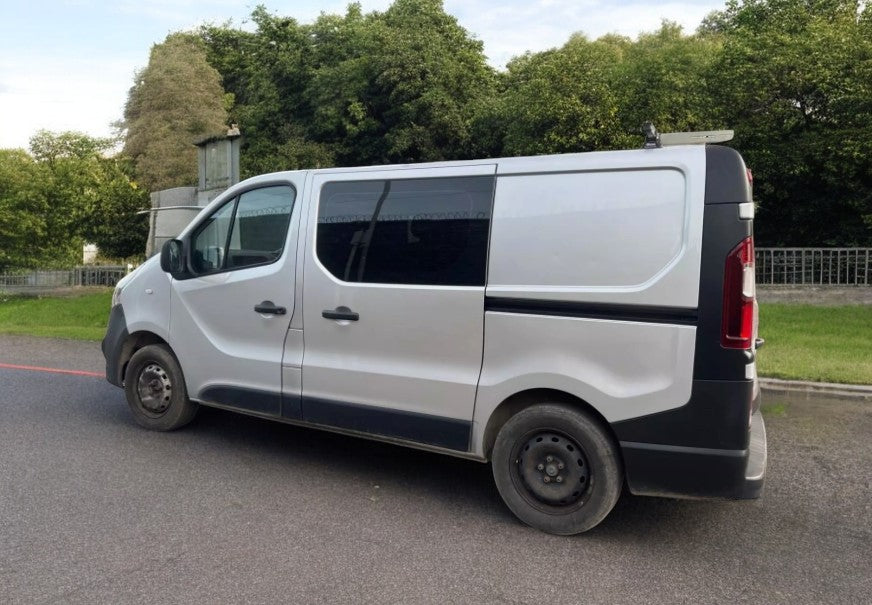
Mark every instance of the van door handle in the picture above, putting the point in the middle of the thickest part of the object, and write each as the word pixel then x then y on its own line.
pixel 340 313
pixel 269 307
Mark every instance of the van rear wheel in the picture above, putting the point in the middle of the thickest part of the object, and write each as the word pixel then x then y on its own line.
pixel 155 390
pixel 557 469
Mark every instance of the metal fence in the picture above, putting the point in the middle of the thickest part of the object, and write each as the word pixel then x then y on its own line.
pixel 34 281
pixel 814 266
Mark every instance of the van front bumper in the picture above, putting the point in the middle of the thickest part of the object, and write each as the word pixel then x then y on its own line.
pixel 695 472
pixel 113 342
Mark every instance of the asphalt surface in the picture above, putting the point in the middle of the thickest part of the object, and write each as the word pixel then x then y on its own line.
pixel 232 509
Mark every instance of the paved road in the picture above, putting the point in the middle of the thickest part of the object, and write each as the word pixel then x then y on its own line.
pixel 235 509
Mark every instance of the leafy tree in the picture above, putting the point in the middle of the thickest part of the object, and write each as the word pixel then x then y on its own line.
pixel 24 210
pixel 354 89
pixel 66 192
pixel 663 78
pixel 795 82
pixel 791 77
pixel 175 100
pixel 113 220
pixel 267 73
pixel 562 100
pixel 429 73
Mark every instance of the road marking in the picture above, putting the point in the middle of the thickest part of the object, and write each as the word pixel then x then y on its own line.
pixel 12 366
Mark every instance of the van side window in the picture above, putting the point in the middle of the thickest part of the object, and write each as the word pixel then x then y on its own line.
pixel 248 231
pixel 411 231
pixel 209 243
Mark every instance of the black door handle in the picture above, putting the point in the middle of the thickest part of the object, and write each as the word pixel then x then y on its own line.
pixel 340 313
pixel 269 307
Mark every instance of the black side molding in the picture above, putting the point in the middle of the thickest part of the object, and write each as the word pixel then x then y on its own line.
pixel 449 433
pixel 262 402
pixel 640 313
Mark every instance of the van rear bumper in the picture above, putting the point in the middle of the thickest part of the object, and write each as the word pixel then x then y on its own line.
pixel 694 472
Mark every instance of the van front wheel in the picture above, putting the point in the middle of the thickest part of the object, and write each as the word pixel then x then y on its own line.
pixel 155 390
pixel 557 469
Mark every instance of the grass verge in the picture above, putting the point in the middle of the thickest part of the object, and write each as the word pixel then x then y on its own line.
pixel 821 344
pixel 803 342
pixel 75 317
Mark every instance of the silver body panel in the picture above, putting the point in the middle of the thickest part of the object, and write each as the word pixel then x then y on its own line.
pixel 612 228
pixel 215 333
pixel 415 348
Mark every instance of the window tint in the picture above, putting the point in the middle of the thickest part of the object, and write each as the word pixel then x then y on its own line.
pixel 415 231
pixel 247 231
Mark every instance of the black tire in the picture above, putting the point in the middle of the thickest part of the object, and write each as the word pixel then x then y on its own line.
pixel 155 389
pixel 557 469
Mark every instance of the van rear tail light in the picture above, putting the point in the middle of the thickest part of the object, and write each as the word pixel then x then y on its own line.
pixel 737 331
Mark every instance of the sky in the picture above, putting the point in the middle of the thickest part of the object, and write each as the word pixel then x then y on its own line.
pixel 68 64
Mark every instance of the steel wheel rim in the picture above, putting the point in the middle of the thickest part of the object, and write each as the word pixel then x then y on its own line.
pixel 155 389
pixel 551 471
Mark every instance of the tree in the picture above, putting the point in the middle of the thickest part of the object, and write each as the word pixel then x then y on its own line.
pixel 429 73
pixel 267 72
pixel 562 100
pixel 175 100
pixel 791 77
pixel 795 81
pixel 114 220
pixel 64 193
pixel 395 86
pixel 663 78
pixel 24 210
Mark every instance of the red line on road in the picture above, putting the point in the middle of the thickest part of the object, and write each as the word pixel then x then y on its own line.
pixel 12 366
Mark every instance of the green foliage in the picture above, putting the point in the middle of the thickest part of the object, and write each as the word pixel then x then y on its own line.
pixel 795 80
pixel 112 220
pixel 396 86
pixel 791 77
pixel 64 193
pixel 24 210
pixel 562 100
pixel 174 101
pixel 667 78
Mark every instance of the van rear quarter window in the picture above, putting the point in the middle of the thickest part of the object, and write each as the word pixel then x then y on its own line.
pixel 411 231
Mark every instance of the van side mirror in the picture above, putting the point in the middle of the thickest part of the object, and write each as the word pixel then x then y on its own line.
pixel 172 258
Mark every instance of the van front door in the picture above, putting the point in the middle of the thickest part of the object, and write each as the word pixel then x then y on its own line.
pixel 394 301
pixel 228 323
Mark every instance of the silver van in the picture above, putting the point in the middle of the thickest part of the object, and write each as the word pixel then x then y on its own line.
pixel 582 321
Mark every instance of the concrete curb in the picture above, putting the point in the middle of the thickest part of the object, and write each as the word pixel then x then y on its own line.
pixel 776 386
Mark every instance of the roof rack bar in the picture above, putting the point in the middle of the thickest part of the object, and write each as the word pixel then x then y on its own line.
pixel 655 139
pixel 702 137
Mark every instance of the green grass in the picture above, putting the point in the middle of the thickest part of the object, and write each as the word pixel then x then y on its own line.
pixel 822 344
pixel 774 410
pixel 803 342
pixel 81 317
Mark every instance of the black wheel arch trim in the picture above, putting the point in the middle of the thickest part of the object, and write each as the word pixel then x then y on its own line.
pixel 113 345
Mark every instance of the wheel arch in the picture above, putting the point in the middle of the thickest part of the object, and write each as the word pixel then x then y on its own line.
pixel 132 344
pixel 530 397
